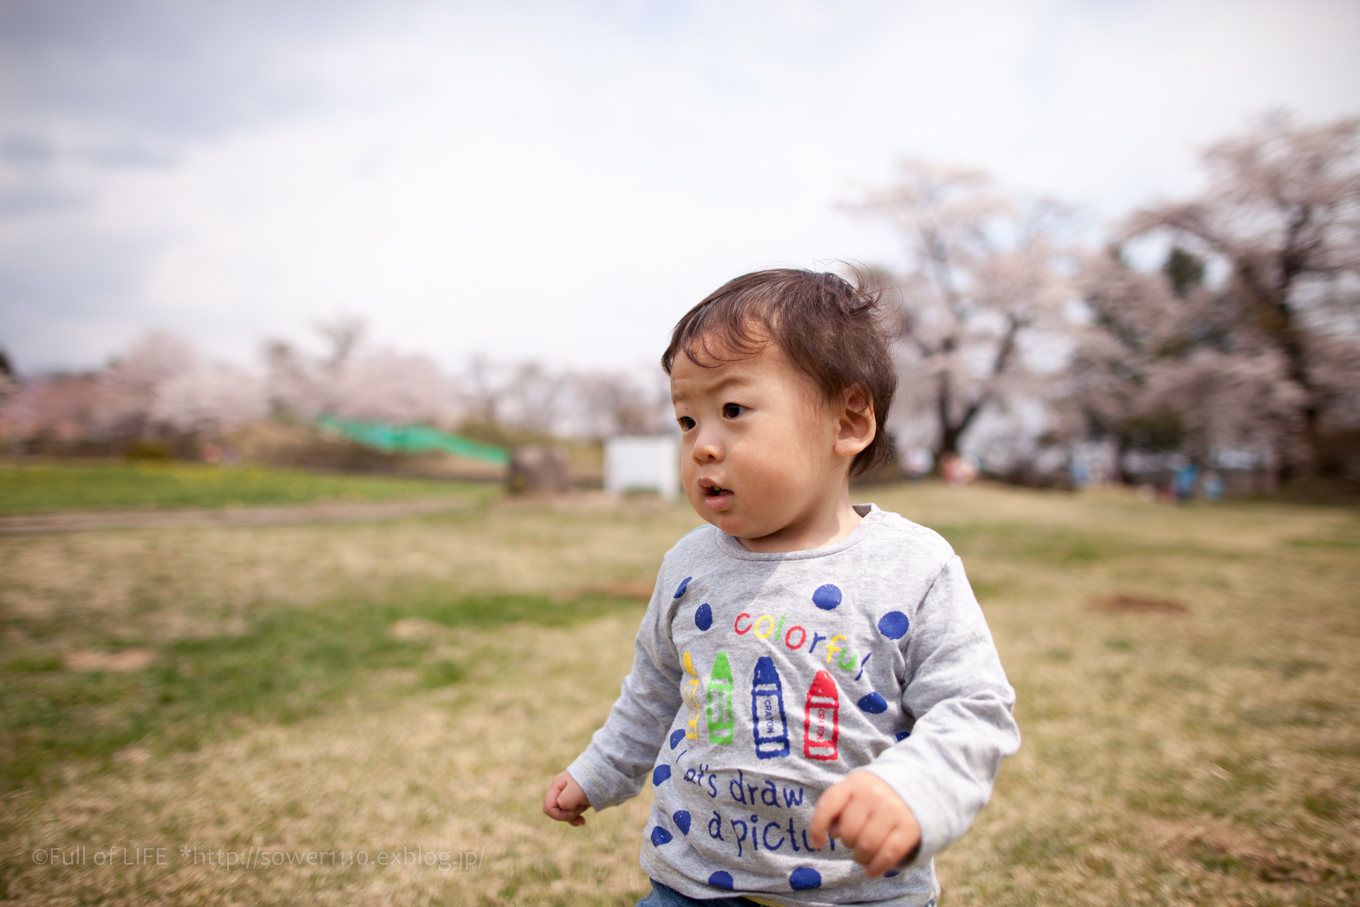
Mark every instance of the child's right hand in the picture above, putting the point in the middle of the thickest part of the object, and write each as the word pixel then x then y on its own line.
pixel 565 801
pixel 868 816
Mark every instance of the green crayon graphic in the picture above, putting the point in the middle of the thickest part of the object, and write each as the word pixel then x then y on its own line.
pixel 720 718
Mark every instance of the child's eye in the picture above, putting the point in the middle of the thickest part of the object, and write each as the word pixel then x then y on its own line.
pixel 686 423
pixel 732 410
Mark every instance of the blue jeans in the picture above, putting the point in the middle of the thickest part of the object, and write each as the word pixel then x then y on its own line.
pixel 662 896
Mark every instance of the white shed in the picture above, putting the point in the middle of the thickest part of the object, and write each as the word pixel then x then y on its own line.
pixel 637 463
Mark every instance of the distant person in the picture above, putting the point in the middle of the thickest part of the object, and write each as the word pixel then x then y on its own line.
pixel 808 670
pixel 958 470
pixel 1185 481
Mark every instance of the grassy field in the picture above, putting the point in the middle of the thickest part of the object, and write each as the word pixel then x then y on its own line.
pixel 50 488
pixel 409 688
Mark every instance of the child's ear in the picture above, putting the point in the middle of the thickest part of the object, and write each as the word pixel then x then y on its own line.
pixel 856 423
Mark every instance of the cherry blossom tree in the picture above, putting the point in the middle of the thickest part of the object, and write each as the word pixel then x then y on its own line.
pixel 1162 366
pixel 61 407
pixel 130 384
pixel 1280 219
pixel 527 396
pixel 393 387
pixel 351 381
pixel 533 397
pixel 210 399
pixel 604 404
pixel 980 296
pixel 293 384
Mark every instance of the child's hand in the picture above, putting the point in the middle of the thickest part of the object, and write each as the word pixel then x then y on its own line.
pixel 868 815
pixel 565 801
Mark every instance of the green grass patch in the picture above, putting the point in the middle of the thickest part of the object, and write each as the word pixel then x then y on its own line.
pixel 290 663
pixel 45 489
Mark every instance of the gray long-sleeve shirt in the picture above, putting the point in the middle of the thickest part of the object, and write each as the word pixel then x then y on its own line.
pixel 759 680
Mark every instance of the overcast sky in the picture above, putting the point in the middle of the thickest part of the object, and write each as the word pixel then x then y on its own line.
pixel 563 180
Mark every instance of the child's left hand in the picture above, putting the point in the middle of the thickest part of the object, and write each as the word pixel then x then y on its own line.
pixel 869 816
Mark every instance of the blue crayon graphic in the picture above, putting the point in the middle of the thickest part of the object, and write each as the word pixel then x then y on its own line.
pixel 767 711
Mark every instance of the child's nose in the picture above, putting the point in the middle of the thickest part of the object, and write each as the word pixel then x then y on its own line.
pixel 707 447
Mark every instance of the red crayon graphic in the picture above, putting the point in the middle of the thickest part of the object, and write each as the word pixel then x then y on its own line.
pixel 821 718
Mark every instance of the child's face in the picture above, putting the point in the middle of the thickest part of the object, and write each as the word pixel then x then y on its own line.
pixel 759 457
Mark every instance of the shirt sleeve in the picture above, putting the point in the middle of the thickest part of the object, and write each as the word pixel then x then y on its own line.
pixel 957 692
pixel 621 753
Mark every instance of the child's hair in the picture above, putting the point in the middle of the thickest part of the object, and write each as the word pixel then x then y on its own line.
pixel 831 331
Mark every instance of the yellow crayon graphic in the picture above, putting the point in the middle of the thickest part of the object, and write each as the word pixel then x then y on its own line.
pixel 693 695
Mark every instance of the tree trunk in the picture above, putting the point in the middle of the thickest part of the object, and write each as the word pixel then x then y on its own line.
pixel 949 443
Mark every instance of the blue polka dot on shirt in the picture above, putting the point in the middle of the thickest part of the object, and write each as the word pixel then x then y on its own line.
pixel 894 624
pixel 826 597
pixel 873 703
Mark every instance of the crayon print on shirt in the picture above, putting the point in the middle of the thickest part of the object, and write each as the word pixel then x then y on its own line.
pixel 692 694
pixel 721 721
pixel 821 718
pixel 770 728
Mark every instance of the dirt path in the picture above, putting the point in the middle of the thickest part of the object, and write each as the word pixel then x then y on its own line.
pixel 269 515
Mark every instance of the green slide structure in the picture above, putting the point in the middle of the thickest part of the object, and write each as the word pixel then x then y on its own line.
pixel 413 439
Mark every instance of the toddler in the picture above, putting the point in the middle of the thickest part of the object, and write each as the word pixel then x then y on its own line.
pixel 815 696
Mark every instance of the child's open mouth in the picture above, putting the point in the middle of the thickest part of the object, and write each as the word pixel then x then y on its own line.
pixel 716 497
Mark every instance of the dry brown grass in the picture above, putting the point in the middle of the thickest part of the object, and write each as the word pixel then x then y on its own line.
pixel 1205 758
pixel 458 770
pixel 168 584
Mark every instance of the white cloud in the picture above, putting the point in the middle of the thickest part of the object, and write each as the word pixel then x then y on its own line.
pixel 562 182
